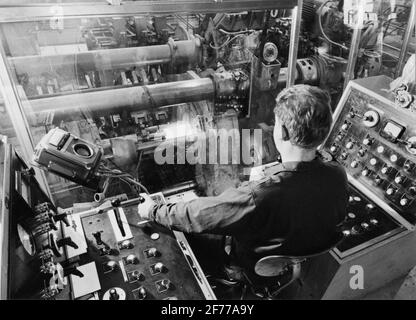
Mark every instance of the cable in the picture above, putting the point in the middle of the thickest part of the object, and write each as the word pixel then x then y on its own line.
pixel 228 41
pixel 322 29
pixel 236 32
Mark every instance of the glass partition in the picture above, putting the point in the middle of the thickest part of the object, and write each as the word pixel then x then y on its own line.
pixel 131 82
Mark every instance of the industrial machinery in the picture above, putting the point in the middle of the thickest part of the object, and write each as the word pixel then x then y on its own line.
pixel 373 139
pixel 88 252
pixel 129 77
pixel 99 87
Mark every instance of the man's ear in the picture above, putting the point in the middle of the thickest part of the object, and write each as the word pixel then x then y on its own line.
pixel 285 133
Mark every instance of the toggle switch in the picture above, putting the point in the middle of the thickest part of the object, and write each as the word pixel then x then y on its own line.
pixel 131 259
pixel 97 236
pixel 391 190
pixel 354 164
pixel 374 222
pixel 140 293
pixel 159 267
pixel 362 152
pixel 126 244
pixel 404 201
pixel 408 166
pixel 111 265
pixel 399 179
pixel 333 149
pixel 349 145
pixel 343 156
pixel 386 169
pixel 368 141
pixel 137 275
pixel 378 180
pixel 113 294
pixel 366 172
pixel 152 252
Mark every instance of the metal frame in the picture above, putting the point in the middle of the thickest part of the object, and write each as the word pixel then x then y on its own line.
pixel 13 13
pixel 409 29
pixel 294 43
pixel 5 167
pixel 355 45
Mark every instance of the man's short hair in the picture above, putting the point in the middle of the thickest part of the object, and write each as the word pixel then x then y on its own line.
pixel 305 111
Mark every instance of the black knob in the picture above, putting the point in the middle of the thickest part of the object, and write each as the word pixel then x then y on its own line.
pixel 378 180
pixel 115 202
pixel 97 236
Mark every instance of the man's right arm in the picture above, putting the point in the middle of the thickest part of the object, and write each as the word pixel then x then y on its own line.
pixel 224 214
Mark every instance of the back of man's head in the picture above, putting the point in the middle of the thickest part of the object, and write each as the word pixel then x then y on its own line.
pixel 305 112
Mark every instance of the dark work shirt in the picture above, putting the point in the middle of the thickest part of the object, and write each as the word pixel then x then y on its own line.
pixel 294 212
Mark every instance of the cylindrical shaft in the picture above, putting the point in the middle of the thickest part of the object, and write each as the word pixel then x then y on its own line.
pixel 132 98
pixel 109 59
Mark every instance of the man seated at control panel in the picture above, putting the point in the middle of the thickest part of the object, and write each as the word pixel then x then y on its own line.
pixel 295 211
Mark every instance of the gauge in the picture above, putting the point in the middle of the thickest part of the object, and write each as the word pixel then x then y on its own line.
pixel 27 240
pixel 270 52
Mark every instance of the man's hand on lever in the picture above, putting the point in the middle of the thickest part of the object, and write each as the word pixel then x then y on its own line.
pixel 145 206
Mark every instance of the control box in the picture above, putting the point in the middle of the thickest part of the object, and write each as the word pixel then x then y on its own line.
pixel 374 139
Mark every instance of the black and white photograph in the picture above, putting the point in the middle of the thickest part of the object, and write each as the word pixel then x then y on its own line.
pixel 227 152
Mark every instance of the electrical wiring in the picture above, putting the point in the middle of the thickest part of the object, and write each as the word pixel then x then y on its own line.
pixel 228 41
pixel 322 29
pixel 123 176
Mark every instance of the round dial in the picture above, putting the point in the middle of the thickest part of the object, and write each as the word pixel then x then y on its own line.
pixel 27 240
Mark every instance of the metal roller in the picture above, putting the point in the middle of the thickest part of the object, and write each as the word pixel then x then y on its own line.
pixel 132 98
pixel 110 59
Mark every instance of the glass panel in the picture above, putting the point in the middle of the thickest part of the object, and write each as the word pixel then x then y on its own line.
pixel 129 84
pixel 326 36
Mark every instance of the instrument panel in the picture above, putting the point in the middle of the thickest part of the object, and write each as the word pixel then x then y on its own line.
pixel 374 137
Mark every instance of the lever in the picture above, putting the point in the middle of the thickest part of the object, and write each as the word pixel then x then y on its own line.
pixel 66 242
pixel 74 271
pixel 97 236
pixel 116 203
pixel 62 217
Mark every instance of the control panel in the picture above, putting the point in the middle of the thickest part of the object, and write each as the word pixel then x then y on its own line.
pixel 140 260
pixel 374 138
pixel 89 252
pixel 365 224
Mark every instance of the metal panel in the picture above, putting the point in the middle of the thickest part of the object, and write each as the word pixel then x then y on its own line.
pixel 5 167
pixel 33 12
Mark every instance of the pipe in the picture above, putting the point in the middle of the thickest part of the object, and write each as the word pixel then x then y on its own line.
pixel 132 98
pixel 110 59
pixel 406 39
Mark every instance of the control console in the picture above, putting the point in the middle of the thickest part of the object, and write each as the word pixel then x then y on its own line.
pixel 374 138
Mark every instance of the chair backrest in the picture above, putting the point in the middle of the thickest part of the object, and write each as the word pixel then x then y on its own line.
pixel 274 265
